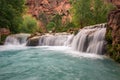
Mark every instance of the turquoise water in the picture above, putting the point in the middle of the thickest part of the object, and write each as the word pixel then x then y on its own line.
pixel 52 64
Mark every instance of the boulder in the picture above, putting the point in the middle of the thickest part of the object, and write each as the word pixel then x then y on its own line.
pixel 34 41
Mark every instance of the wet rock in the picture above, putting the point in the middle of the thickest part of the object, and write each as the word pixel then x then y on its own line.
pixel 34 41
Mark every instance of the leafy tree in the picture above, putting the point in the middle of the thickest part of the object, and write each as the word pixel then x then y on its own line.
pixel 57 19
pixel 51 26
pixel 29 24
pixel 89 12
pixel 11 14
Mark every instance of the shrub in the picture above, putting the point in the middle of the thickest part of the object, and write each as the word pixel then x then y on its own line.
pixel 89 12
pixel 50 26
pixel 29 24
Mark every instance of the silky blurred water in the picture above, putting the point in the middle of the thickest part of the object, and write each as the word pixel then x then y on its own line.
pixel 44 63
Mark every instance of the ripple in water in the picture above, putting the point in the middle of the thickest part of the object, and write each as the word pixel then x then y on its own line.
pixel 55 63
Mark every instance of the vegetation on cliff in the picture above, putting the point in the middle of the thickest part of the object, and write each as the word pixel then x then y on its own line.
pixel 29 24
pixel 83 12
pixel 113 50
pixel 113 35
pixel 89 12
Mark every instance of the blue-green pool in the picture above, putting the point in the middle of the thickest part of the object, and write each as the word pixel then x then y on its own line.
pixel 44 63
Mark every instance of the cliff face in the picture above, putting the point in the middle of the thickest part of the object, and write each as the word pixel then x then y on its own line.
pixel 114 24
pixel 115 2
pixel 49 8
pixel 113 31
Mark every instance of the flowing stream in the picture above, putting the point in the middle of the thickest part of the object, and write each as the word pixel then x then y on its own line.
pixel 58 57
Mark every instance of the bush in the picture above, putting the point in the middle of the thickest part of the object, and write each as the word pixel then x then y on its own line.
pixel 29 24
pixel 112 50
pixel 11 14
pixel 2 39
pixel 89 12
pixel 51 26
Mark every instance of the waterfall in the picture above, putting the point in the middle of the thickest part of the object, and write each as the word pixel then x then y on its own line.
pixel 16 39
pixel 11 40
pixel 90 39
pixel 54 40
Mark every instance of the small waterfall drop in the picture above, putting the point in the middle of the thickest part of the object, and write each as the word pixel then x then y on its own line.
pixel 90 39
pixel 16 39
pixel 11 40
pixel 53 40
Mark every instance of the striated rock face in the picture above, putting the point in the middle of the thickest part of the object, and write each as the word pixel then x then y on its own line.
pixel 49 8
pixel 113 32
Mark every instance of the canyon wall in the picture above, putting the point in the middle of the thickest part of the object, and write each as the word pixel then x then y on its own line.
pixel 113 31
pixel 47 9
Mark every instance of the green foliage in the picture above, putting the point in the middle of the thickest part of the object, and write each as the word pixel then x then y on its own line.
pixel 29 24
pixel 113 50
pixel 89 12
pixel 68 26
pixel 108 36
pixel 2 39
pixel 43 18
pixel 57 19
pixel 11 14
pixel 55 23
pixel 51 26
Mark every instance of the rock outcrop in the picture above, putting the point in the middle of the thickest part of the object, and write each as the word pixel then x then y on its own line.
pixel 113 32
pixel 49 8
pixel 34 41
pixel 114 24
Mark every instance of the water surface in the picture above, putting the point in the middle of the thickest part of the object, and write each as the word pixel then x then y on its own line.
pixel 55 63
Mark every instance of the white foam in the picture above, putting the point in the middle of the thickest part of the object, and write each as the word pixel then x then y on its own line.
pixel 12 47
pixel 63 49
pixel 71 52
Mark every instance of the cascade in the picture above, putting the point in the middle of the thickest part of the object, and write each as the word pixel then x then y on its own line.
pixel 16 39
pixel 54 40
pixel 90 39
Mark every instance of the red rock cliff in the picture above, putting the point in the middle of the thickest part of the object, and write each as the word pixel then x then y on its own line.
pixel 49 8
pixel 114 31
